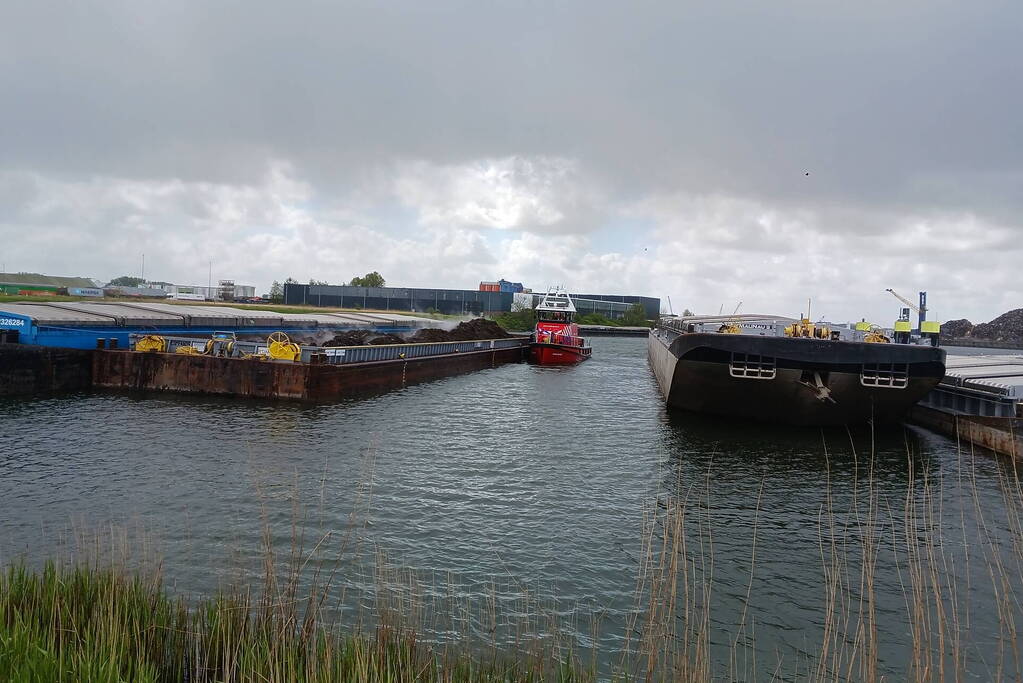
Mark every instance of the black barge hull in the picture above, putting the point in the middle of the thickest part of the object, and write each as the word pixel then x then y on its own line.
pixel 792 380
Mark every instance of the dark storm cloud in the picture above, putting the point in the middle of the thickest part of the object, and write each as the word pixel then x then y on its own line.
pixel 882 103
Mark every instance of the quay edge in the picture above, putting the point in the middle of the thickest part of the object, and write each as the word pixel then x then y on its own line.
pixel 999 434
pixel 980 401
pixel 612 331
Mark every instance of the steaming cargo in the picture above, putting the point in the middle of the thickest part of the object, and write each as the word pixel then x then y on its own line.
pixel 556 340
pixel 787 370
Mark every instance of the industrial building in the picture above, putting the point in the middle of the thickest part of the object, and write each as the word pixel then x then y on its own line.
pixel 453 301
pixel 132 292
pixel 611 306
pixel 224 290
pixel 35 284
pixel 88 324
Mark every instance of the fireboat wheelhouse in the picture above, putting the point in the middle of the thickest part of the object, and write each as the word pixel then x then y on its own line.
pixel 556 339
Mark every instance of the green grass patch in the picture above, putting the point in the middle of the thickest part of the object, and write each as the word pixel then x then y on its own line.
pixel 100 625
pixel 21 298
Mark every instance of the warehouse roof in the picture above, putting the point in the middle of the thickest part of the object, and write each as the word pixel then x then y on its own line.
pixel 146 314
pixel 45 314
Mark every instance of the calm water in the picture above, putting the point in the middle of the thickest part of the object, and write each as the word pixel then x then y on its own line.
pixel 518 485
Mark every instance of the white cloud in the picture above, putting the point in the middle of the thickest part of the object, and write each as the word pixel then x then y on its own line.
pixel 541 193
pixel 704 251
pixel 253 234
pixel 715 251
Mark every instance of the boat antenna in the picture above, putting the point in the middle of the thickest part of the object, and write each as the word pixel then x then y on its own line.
pixel 808 308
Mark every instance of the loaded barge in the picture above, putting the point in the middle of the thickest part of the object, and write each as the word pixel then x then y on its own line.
pixel 281 369
pixel 789 370
pixel 222 364
pixel 980 400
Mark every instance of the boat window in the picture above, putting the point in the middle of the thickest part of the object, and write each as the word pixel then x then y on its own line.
pixel 885 375
pixel 750 366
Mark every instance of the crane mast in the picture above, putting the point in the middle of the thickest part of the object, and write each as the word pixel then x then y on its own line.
pixel 920 310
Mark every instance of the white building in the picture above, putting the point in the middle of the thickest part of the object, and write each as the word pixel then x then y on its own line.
pixel 226 290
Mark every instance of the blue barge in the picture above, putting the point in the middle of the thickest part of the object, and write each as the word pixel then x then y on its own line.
pixel 88 325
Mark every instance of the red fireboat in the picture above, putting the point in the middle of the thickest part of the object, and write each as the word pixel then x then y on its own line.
pixel 556 339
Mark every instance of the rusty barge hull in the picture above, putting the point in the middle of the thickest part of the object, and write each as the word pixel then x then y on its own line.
pixel 195 374
pixel 1000 434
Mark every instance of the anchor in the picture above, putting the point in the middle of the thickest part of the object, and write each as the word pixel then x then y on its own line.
pixel 821 390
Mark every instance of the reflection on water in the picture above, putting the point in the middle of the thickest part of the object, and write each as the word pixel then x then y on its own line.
pixel 533 489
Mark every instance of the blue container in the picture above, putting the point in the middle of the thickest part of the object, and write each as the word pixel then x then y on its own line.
pixel 513 287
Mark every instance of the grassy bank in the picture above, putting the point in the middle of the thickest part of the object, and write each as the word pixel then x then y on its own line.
pixel 22 299
pixel 98 625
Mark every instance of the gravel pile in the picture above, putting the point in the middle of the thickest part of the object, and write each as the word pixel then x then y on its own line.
pixel 428 335
pixel 1007 327
pixel 480 328
pixel 471 330
pixel 387 339
pixel 956 329
pixel 352 338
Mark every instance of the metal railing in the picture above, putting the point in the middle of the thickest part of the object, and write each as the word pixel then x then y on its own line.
pixel 335 355
pixel 343 355
pixel 967 402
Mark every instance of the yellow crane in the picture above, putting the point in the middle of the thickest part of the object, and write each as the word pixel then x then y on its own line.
pixel 930 328
pixel 906 301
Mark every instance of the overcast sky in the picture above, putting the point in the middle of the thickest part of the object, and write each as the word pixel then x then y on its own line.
pixel 711 152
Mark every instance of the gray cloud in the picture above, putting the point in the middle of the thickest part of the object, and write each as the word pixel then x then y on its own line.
pixel 903 114
pixel 877 102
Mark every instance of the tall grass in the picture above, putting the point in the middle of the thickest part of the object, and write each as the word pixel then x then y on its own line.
pixel 936 554
pixel 99 618
pixel 93 624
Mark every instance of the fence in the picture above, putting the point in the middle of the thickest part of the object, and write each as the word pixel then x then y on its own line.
pixel 341 355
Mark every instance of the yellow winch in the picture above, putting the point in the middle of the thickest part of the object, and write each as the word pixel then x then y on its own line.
pixel 805 328
pixel 151 343
pixel 280 347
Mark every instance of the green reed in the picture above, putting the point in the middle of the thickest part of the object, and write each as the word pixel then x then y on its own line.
pixel 79 623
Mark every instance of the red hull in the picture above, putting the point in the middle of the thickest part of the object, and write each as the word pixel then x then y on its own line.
pixel 558 354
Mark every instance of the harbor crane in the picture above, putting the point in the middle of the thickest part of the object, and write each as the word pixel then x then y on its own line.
pixel 920 310
pixel 927 329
